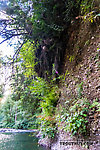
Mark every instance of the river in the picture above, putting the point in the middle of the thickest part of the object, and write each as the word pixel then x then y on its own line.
pixel 19 141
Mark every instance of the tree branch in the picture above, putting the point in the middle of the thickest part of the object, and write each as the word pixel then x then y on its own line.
pixel 12 36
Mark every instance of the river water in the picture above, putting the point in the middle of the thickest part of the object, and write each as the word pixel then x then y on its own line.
pixel 19 141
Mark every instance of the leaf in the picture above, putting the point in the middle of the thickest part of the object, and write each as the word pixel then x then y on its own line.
pixel 84 115
pixel 74 132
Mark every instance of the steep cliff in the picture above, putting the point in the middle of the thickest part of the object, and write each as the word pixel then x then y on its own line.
pixel 79 89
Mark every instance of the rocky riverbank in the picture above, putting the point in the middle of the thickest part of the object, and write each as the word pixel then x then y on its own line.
pixel 64 141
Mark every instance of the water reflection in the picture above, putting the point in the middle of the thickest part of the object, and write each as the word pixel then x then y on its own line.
pixel 4 137
pixel 18 141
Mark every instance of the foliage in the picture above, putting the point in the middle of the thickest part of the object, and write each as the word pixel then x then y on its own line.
pixel 90 10
pixel 42 25
pixel 43 21
pixel 80 89
pixel 1 83
pixel 31 98
pixel 75 117
pixel 48 97
pixel 27 54
pixel 1 91
pixel 48 128
pixel 77 120
pixel 95 106
pixel 19 108
pixel 22 92
pixel 71 58
pixel 13 115
pixel 86 6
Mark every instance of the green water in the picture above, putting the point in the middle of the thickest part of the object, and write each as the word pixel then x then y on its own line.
pixel 19 141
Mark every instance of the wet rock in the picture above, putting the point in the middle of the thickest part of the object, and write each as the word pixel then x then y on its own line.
pixel 45 142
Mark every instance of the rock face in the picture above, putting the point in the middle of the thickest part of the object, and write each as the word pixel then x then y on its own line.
pixel 81 66
pixel 65 141
pixel 46 142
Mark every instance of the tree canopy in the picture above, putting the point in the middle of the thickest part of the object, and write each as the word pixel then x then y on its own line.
pixel 42 21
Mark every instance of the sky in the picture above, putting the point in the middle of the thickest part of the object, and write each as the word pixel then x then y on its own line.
pixel 6 49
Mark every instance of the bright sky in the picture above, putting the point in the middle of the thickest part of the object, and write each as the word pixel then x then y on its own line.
pixel 5 49
pixel 3 15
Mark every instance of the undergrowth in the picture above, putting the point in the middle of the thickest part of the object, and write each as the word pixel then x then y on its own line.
pixel 74 115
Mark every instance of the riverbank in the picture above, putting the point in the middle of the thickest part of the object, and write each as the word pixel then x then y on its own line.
pixel 9 130
pixel 64 141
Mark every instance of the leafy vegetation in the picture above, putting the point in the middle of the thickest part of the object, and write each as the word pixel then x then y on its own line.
pixel 1 91
pixel 45 23
pixel 31 104
pixel 80 89
pixel 74 116
pixel 42 28
pixel 86 6
pixel 77 119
